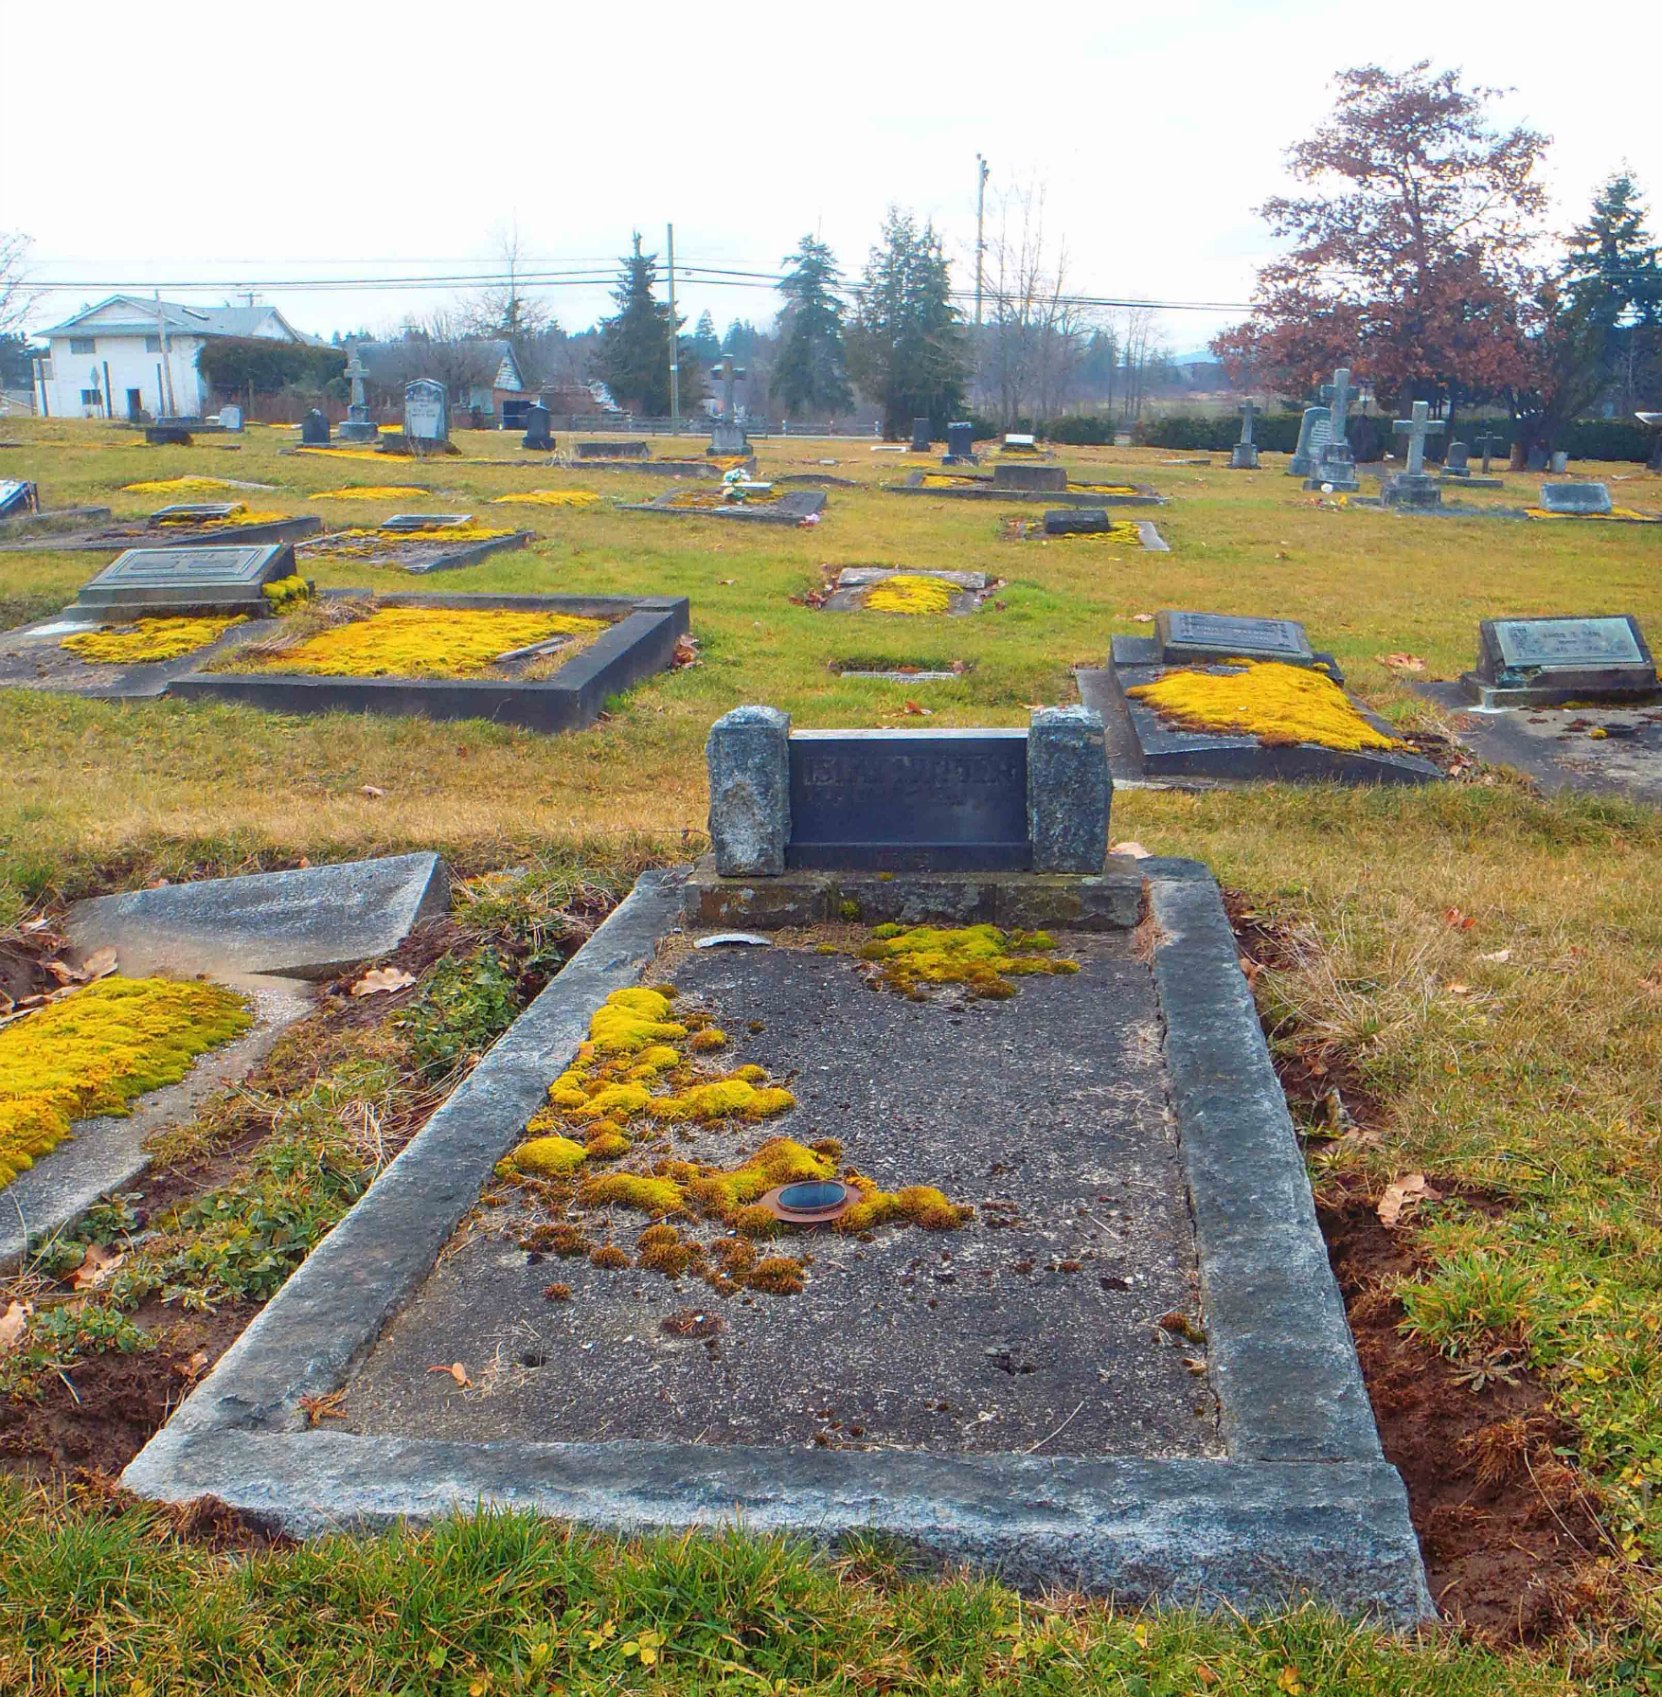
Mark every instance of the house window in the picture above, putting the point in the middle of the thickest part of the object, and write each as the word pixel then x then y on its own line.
pixel 83 344
pixel 90 397
pixel 152 344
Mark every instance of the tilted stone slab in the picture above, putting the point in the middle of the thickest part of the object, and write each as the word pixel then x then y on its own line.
pixel 146 582
pixel 310 923
pixel 1541 662
pixel 1575 498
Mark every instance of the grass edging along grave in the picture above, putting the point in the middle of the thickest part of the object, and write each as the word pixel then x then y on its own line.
pixel 1303 1502
pixel 640 643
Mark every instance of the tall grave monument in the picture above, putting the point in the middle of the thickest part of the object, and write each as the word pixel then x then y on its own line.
pixel 727 435
pixel 1415 486
pixel 358 426
pixel 427 416
pixel 1314 429
pixel 1334 467
pixel 1244 455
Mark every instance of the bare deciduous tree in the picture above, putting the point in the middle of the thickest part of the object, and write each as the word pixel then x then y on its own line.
pixel 16 297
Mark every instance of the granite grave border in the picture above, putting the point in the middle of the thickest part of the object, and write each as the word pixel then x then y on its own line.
pixel 122 536
pixel 1305 1501
pixel 981 489
pixel 790 508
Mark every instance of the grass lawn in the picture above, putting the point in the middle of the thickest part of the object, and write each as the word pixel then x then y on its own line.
pixel 1476 971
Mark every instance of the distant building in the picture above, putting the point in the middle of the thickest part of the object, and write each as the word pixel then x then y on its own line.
pixel 129 355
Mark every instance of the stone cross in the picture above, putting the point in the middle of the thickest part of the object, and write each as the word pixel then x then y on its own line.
pixel 357 371
pixel 1416 429
pixel 728 372
pixel 1487 443
pixel 1247 412
pixel 1339 405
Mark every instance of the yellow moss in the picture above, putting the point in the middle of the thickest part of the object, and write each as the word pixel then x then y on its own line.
pixel 609 1257
pixel 702 500
pixel 654 1059
pixel 1104 488
pixel 176 485
pixel 980 957
pixel 94 1052
pixel 445 533
pixel 630 1021
pixel 1626 513
pixel 373 492
pixel 548 1157
pixel 712 1037
pixel 286 592
pixel 619 1099
pixel 239 514
pixel 921 1204
pixel 632 1190
pixel 781 1160
pixel 1277 703
pixel 418 642
pixel 146 640
pixel 549 498
pixel 906 592
pixel 1123 533
pixel 779 1275
pixel 355 454
pixel 724 1098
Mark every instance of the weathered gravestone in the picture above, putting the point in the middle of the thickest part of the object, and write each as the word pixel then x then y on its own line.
pixel 17 498
pixel 358 426
pixel 425 521
pixel 960 443
pixel 151 582
pixel 1414 486
pixel 1077 521
pixel 1457 462
pixel 920 435
pixel 539 433
pixel 314 429
pixel 1543 662
pixel 997 800
pixel 613 450
pixel 1486 445
pixel 426 414
pixel 1184 636
pixel 195 512
pixel 1575 498
pixel 1244 455
pixel 727 437
pixel 1051 479
pixel 1335 466
pixel 1315 430
pixel 230 418
pixel 1560 463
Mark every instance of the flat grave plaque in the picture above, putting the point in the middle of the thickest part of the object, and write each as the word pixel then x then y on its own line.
pixel 1222 636
pixel 1543 662
pixel 1575 498
pixel 169 580
pixel 202 511
pixel 425 521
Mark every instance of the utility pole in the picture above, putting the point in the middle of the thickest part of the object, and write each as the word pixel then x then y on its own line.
pixel 982 172
pixel 674 346
pixel 164 399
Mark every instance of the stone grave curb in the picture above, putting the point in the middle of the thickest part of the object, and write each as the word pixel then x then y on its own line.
pixel 471 553
pixel 52 518
pixel 790 508
pixel 1046 497
pixel 640 645
pixel 1323 1513
pixel 170 536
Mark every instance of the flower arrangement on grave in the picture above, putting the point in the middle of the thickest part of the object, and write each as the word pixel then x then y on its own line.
pixel 641 1084
pixel 373 492
pixel 909 593
pixel 1280 705
pixel 418 642
pixel 705 499
pixel 145 641
pixel 549 498
pixel 982 958
pixel 97 1050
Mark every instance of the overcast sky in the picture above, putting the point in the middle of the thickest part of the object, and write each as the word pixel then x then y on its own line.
pixel 231 145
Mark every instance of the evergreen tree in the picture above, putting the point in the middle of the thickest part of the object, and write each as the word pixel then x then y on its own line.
pixel 633 357
pixel 1611 285
pixel 810 369
pixel 741 339
pixel 906 346
pixel 705 342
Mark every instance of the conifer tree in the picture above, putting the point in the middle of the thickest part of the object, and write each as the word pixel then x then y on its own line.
pixel 810 371
pixel 633 356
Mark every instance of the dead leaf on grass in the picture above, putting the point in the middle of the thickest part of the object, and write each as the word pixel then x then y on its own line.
pixel 381 979
pixel 373 791
pixel 1456 920
pixel 1402 662
pixel 96 1266
pixel 456 1371
pixel 1500 957
pixel 12 1323
pixel 1403 1194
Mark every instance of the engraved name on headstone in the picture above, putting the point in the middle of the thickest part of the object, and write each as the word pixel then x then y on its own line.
pixel 426 410
pixel 1221 636
pixel 1543 661
pixel 164 580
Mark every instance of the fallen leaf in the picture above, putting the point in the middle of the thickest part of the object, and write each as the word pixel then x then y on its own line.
pixel 383 978
pixel 1500 957
pixel 99 964
pixel 12 1323
pixel 1452 916
pixel 1142 618
pixel 1458 989
pixel 372 791
pixel 191 1368
pixel 96 1266
pixel 1403 1194
pixel 456 1371
pixel 1402 662
pixel 1131 847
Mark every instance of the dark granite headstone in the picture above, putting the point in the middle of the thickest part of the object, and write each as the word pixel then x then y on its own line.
pixel 1457 462
pixel 1575 498
pixel 1206 637
pixel 960 443
pixel 539 434
pixel 157 581
pixel 920 435
pixel 1540 662
pixel 167 435
pixel 1077 521
pixel 17 498
pixel 1047 478
pixel 314 429
pixel 614 450
pixel 1535 459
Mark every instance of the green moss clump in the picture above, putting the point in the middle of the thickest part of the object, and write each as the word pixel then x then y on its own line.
pixel 548 1157
pixel 632 1190
pixel 980 957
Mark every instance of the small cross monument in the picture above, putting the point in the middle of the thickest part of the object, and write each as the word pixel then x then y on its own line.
pixel 357 426
pixel 1244 455
pixel 1336 468
pixel 728 437
pixel 1486 445
pixel 1414 486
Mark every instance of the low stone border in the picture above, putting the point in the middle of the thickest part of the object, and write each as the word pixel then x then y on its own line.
pixel 641 643
pixel 164 536
pixel 1304 1504
pixel 436 556
pixel 982 490
pixel 792 506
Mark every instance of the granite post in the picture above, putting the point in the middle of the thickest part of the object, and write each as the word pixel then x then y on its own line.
pixel 748 753
pixel 1244 455
pixel 1069 791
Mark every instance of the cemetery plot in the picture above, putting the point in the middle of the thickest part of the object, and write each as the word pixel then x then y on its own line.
pixel 1057 1320
pixel 885 589
pixel 180 524
pixel 871 668
pixel 759 505
pixel 1585 501
pixel 1216 697
pixel 416 543
pixel 1027 483
pixel 547 662
pixel 1086 524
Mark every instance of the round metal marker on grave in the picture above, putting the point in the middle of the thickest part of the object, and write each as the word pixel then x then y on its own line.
pixel 810 1202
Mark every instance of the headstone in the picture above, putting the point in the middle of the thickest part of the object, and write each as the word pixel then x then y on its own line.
pixel 1486 445
pixel 425 521
pixel 159 581
pixel 1052 478
pixel 1535 458
pixel 960 443
pixel 1335 467
pixel 966 800
pixel 1021 441
pixel 613 450
pixel 358 426
pixel 920 435
pixel 426 412
pixel 309 923
pixel 1653 421
pixel 1560 463
pixel 1575 498
pixel 1314 430
pixel 1539 662
pixel 314 428
pixel 1457 462
pixel 196 512
pixel 1077 521
pixel 167 435
pixel 230 418
pixel 539 434
pixel 17 498
pixel 1244 455
pixel 1209 637
pixel 727 435
pixel 1415 486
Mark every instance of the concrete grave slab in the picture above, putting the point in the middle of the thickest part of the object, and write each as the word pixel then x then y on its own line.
pixel 1106 1462
pixel 973 486
pixel 1575 498
pixel 1016 529
pixel 970 590
pixel 394 549
pixel 313 922
pixel 135 534
pixel 789 508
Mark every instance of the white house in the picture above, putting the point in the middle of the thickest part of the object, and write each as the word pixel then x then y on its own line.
pixel 129 354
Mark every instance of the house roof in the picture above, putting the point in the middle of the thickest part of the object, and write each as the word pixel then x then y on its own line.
pixel 180 319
